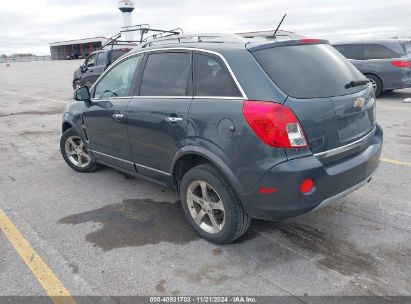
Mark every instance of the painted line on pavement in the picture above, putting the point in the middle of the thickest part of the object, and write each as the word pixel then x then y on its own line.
pixel 394 108
pixel 38 97
pixel 396 162
pixel 44 275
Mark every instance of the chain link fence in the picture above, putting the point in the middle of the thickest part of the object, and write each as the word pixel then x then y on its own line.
pixel 24 58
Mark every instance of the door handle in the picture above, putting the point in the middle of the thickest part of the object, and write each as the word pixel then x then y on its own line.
pixel 118 115
pixel 174 119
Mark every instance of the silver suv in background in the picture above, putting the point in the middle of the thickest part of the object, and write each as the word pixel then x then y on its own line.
pixel 387 63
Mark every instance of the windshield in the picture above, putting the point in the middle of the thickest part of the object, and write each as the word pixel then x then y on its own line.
pixel 310 71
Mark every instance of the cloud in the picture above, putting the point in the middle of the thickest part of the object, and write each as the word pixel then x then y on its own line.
pixel 32 25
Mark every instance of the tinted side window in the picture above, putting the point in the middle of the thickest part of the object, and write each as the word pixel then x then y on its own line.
pixel 350 51
pixel 117 81
pixel 91 61
pixel 166 74
pixel 102 58
pixel 116 54
pixel 379 51
pixel 211 78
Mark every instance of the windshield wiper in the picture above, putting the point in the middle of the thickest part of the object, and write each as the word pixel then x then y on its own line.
pixel 356 83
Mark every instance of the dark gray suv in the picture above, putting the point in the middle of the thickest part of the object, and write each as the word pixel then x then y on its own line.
pixel 94 65
pixel 387 63
pixel 267 130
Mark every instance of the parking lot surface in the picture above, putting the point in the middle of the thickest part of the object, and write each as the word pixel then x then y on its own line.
pixel 108 234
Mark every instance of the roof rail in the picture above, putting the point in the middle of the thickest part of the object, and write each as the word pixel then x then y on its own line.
pixel 143 30
pixel 211 38
pixel 159 34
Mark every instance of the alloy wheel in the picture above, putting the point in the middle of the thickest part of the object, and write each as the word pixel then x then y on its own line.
pixel 374 84
pixel 76 152
pixel 206 206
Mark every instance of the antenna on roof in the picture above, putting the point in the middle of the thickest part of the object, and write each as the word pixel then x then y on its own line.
pixel 278 27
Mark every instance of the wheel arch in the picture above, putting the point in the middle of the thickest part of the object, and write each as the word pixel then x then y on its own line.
pixel 65 126
pixel 191 156
pixel 70 122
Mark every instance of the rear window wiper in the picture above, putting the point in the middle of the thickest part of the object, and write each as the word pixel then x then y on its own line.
pixel 356 83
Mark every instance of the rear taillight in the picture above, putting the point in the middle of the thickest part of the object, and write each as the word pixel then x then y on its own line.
pixel 401 63
pixel 309 40
pixel 275 124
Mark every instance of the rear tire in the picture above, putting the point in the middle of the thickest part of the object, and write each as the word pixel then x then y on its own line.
pixel 74 152
pixel 376 83
pixel 211 206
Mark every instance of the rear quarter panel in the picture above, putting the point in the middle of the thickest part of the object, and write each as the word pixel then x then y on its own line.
pixel 392 77
pixel 247 157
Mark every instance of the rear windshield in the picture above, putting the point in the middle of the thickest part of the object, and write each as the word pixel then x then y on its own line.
pixel 309 71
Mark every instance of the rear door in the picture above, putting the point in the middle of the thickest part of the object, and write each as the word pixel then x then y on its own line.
pixel 315 77
pixel 157 115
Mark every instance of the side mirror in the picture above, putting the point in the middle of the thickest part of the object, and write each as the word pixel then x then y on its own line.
pixel 83 68
pixel 82 94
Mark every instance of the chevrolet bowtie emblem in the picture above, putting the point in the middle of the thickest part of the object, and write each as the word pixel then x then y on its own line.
pixel 359 103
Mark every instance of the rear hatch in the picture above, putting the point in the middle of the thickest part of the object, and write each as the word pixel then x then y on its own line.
pixel 332 99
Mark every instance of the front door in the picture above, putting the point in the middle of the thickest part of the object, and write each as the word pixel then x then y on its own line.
pixel 105 118
pixel 157 116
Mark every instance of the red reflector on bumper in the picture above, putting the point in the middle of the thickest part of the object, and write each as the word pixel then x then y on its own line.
pixel 307 185
pixel 267 190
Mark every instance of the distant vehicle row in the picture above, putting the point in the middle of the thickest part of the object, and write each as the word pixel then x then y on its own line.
pixel 387 63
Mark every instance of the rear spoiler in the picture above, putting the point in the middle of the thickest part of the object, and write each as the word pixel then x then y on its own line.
pixel 256 47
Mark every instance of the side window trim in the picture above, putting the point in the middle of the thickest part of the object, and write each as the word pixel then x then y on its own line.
pixel 137 83
pixel 136 72
pixel 143 52
pixel 139 78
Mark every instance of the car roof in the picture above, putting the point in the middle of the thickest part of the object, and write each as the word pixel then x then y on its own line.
pixel 223 47
pixel 212 42
pixel 196 45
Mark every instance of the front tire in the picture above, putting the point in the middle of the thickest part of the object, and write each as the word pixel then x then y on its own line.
pixel 74 152
pixel 211 206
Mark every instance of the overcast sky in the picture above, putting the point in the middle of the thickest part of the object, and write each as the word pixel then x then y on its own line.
pixel 30 25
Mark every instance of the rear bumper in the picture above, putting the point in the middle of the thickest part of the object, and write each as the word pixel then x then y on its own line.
pixel 332 181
